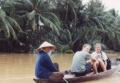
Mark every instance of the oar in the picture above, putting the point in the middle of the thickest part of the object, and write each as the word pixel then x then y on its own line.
pixel 65 80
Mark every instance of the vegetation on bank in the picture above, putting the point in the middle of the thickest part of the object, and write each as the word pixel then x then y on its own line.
pixel 24 24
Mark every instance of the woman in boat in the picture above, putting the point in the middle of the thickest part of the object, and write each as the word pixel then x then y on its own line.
pixel 99 59
pixel 44 67
pixel 81 61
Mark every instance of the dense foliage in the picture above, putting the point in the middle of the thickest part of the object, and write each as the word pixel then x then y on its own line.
pixel 24 24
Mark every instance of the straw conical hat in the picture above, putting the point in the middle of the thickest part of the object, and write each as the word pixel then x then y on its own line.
pixel 46 44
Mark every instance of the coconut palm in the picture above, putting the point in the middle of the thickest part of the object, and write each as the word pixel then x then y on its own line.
pixel 32 15
pixel 100 25
pixel 111 24
pixel 67 12
pixel 38 13
pixel 9 25
pixel 89 23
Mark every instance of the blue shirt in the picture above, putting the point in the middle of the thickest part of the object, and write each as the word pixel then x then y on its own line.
pixel 44 66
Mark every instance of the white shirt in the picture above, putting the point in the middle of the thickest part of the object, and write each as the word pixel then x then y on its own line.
pixel 101 55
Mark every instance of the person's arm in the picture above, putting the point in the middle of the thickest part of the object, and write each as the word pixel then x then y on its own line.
pixel 105 58
pixel 50 65
pixel 105 63
pixel 88 58
pixel 93 57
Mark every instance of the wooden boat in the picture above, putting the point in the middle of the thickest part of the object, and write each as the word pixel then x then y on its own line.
pixel 81 78
pixel 92 77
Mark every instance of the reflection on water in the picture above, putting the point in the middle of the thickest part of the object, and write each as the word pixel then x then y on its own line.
pixel 19 68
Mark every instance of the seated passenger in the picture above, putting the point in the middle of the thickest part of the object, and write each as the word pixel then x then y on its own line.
pixel 99 59
pixel 81 61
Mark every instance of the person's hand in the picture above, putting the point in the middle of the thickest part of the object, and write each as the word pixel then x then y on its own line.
pixel 93 60
pixel 56 76
pixel 88 61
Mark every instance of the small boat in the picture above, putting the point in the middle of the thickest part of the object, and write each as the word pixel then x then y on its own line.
pixel 79 79
pixel 92 77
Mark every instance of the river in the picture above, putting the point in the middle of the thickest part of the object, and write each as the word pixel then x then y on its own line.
pixel 19 68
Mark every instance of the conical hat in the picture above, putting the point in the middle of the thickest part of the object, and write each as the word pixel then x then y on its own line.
pixel 46 44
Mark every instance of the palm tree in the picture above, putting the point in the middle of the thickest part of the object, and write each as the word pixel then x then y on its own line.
pixel 9 25
pixel 38 12
pixel 111 24
pixel 100 25
pixel 68 12
pixel 89 23
pixel 31 15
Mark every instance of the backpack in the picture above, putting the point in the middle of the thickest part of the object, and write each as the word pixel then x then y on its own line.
pixel 108 63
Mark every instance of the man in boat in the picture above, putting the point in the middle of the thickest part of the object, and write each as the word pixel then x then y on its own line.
pixel 44 67
pixel 81 64
pixel 99 59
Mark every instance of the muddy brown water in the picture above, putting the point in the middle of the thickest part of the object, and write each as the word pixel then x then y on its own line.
pixel 19 68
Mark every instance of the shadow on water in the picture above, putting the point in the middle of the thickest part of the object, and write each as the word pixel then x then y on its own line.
pixel 19 68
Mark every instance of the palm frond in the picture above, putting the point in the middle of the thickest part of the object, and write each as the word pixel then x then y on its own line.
pixel 12 31
pixel 5 27
pixel 50 24
pixel 9 25
pixel 14 24
pixel 2 14
pixel 31 15
pixel 51 20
